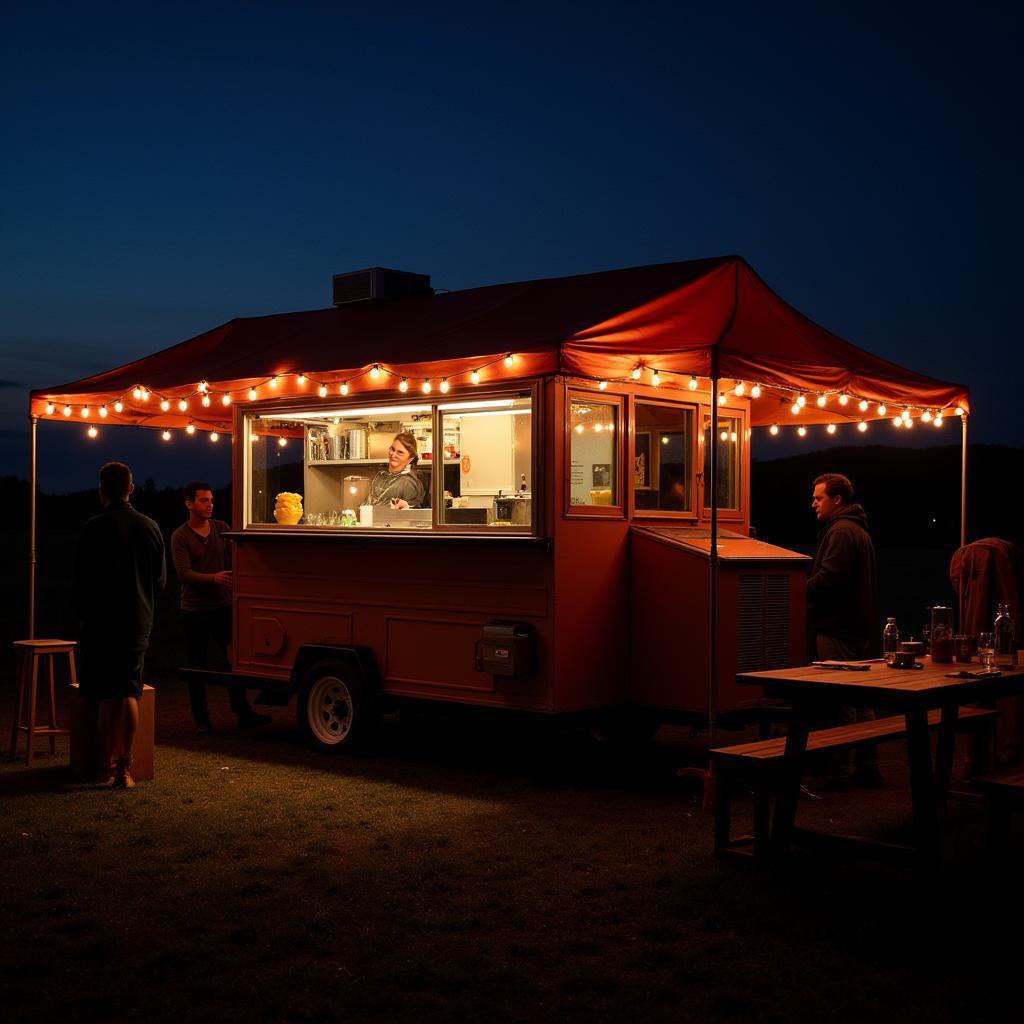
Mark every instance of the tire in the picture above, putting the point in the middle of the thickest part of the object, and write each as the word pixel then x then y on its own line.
pixel 336 710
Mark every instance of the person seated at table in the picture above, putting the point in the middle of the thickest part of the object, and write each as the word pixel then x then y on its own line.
pixel 399 486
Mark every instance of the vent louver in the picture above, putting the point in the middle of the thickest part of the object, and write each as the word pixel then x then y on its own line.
pixel 762 629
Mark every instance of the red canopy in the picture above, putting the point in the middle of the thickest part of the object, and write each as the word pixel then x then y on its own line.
pixel 673 318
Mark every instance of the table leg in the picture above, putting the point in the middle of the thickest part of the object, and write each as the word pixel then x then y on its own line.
pixel 789 785
pixel 922 787
pixel 944 751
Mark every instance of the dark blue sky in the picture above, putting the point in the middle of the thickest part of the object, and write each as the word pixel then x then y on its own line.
pixel 170 166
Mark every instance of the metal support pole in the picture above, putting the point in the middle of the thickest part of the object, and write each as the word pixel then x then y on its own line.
pixel 33 423
pixel 713 550
pixel 963 480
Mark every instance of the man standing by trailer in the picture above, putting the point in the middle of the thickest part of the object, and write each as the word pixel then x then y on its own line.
pixel 200 554
pixel 841 603
pixel 119 570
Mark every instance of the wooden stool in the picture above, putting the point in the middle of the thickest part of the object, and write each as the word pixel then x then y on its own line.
pixel 29 653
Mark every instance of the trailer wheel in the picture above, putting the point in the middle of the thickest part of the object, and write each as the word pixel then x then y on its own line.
pixel 336 712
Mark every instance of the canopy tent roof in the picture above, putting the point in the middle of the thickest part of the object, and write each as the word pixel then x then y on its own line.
pixel 676 318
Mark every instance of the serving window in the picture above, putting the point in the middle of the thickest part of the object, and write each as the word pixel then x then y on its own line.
pixel 663 457
pixel 594 456
pixel 730 441
pixel 457 465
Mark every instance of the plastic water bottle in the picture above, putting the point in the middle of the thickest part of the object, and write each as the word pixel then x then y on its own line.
pixel 890 640
pixel 1006 640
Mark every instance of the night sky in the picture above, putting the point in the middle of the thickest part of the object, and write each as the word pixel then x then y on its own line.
pixel 170 166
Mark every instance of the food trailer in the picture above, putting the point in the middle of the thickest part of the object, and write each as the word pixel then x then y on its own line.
pixel 583 541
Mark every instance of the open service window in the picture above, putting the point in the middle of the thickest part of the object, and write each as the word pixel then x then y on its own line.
pixel 455 465
pixel 594 456
pixel 663 457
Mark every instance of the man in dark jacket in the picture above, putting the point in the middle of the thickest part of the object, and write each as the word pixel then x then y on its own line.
pixel 119 570
pixel 841 600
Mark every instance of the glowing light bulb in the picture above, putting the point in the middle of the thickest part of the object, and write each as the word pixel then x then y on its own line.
pixel 721 398
pixel 375 371
pixel 664 440
pixel 273 381
pixel 190 429
pixel 801 431
pixel 755 391
pixel 821 401
pixel 740 389
pixel 795 409
pixel 474 377
pixel 427 387
pixel 801 401
pixel 182 405
pixel 508 359
pixel 137 392
pixel 225 399
pixel 908 423
pixel 206 401
pixel 166 435
pixel 282 441
pixel 145 395
pixel 732 436
pixel 863 405
pixel 301 378
pixel 831 428
pixel 937 422
pixel 692 385
pixel 773 429
pixel 403 385
pixel 862 426
pixel 655 378
pixel 724 435
pixel 92 432
pixel 897 421
pixel 881 410
pixel 214 436
pixel 444 385
pixel 960 411
pixel 252 394
pixel 323 390
pixel 85 412
pixel 598 427
pixel 637 370
pixel 602 385
pixel 579 428
pixel 906 415
pixel 67 410
pixel 844 399
pixel 203 387
pixel 926 416
pixel 343 390
pixel 103 412
pixel 164 405
pixel 119 406
pixel 50 408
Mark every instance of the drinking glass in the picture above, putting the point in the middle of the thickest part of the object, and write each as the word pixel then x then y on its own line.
pixel 986 649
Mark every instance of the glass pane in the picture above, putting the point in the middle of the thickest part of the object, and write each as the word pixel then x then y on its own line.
pixel 661 458
pixel 730 436
pixel 593 454
pixel 276 472
pixel 488 462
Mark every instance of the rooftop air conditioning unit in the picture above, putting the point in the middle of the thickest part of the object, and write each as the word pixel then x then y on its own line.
pixel 376 284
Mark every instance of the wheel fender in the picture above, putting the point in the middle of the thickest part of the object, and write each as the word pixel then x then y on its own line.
pixel 360 659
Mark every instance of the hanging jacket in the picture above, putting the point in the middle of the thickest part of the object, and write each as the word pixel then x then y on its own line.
pixel 983 574
pixel 841 587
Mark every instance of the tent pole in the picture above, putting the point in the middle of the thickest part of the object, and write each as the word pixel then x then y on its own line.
pixel 33 423
pixel 713 551
pixel 963 480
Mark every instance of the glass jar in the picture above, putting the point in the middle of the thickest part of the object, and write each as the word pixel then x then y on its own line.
pixel 942 634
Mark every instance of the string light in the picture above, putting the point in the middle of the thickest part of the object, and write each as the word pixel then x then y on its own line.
pixel 908 423
pixel 882 410
pixel 474 377
pixel 343 390
pixel 831 428
pixel 50 408
pixel 637 370
pixel 721 398
pixel 926 416
pixel 844 399
pixel 724 435
pixel 739 389
pixel 273 381
pixel 164 405
pixel 960 411
pixel 863 406
pixel 103 412
pixel 375 371
pixel 137 392
pixel 191 428
pixel 427 387
pixel 755 391
pixel 85 412
pixel 444 385
pixel 252 394
pixel 92 432
pixel 906 415
pixel 203 387
pixel 214 436
pixel 897 421
pixel 692 385
pixel 182 405
pixel 145 395
pixel 508 359
pixel 801 401
pixel 166 435
pixel 937 422
pixel 403 385
pixel 773 429
pixel 225 399
pixel 67 410
pixel 206 401
pixel 821 401
pixel 801 431
pixel 323 390
pixel 282 441
pixel 655 378
pixel 862 426
pixel 301 379
pixel 602 385
pixel 795 409
pixel 119 406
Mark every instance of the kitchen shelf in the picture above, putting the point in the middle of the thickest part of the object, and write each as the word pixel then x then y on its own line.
pixel 374 462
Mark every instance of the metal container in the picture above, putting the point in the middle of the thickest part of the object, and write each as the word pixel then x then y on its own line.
pixel 356 443
pixel 513 508
pixel 336 448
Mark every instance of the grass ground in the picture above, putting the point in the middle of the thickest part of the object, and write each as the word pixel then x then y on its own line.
pixel 462 873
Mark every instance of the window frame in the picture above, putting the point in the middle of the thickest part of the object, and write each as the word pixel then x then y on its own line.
pixel 619 510
pixel 739 513
pixel 692 514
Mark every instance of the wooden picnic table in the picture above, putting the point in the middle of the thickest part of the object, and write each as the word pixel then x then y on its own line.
pixel 812 691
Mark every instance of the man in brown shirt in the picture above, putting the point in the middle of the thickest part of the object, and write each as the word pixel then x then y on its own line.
pixel 200 555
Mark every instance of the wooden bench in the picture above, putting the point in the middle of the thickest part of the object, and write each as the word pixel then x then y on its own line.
pixel 754 766
pixel 1005 791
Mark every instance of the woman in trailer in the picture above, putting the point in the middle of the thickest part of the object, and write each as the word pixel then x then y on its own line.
pixel 398 486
